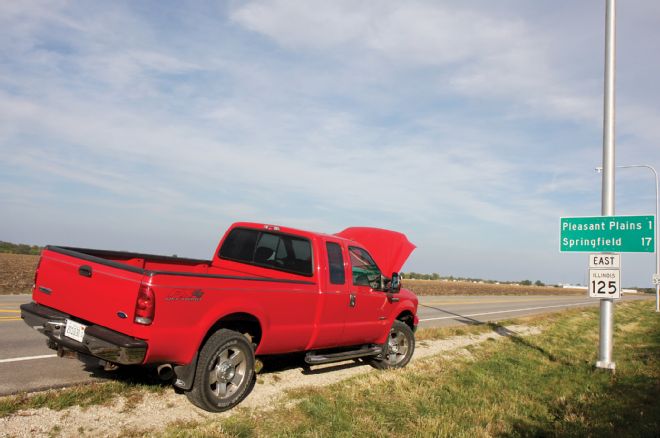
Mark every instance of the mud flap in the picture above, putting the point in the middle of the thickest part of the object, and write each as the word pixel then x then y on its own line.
pixel 185 374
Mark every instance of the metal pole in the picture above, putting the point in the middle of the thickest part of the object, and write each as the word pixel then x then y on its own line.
pixel 657 231
pixel 607 305
pixel 657 234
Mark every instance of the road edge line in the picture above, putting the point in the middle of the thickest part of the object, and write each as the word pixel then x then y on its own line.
pixel 504 311
pixel 20 359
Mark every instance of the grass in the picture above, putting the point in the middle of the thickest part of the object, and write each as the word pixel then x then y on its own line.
pixel 83 395
pixel 438 333
pixel 545 385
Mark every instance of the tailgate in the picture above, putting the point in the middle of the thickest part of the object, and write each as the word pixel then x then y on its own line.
pixel 92 291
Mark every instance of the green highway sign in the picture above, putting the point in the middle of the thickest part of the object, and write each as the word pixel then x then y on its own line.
pixel 607 234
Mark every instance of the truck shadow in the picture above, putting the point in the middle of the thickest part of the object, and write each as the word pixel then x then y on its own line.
pixel 460 318
pixel 275 364
pixel 136 375
pixel 140 375
pixel 502 331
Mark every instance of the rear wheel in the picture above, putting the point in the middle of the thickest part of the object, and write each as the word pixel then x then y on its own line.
pixel 225 372
pixel 397 350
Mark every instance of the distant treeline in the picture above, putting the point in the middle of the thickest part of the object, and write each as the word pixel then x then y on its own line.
pixel 436 276
pixel 20 248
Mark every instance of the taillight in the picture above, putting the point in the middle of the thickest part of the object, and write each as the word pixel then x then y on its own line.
pixel 145 305
pixel 36 273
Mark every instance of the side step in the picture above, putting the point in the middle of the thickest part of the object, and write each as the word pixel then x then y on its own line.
pixel 316 358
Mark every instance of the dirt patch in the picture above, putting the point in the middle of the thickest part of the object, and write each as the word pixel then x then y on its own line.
pixel 445 287
pixel 153 412
pixel 17 273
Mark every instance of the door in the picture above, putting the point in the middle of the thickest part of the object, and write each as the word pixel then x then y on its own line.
pixel 334 298
pixel 368 306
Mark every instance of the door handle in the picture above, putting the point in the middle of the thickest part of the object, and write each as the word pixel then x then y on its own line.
pixel 352 300
pixel 85 271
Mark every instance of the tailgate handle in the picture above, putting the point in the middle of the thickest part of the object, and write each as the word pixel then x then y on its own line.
pixel 85 271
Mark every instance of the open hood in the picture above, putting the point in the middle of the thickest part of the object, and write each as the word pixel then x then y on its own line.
pixel 389 249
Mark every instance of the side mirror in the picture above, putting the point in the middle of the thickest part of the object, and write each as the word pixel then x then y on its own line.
pixel 395 283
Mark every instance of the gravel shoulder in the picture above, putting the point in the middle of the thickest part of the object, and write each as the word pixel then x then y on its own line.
pixel 148 413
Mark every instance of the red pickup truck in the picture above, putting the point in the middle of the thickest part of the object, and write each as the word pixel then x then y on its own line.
pixel 268 290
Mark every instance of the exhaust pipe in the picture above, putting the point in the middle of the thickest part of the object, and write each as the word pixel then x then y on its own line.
pixel 65 352
pixel 165 372
pixel 108 366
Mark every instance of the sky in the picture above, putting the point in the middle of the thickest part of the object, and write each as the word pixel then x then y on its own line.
pixel 471 126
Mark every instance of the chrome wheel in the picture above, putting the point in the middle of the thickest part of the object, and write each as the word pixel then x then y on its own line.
pixel 229 372
pixel 224 374
pixel 397 347
pixel 397 350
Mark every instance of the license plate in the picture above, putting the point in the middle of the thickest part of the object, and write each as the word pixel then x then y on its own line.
pixel 74 330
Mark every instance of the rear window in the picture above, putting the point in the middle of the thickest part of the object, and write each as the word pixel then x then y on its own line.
pixel 268 250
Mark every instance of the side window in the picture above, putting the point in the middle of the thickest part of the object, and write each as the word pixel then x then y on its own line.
pixel 365 271
pixel 336 263
pixel 269 250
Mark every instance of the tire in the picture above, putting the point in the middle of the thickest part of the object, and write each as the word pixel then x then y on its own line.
pixel 397 350
pixel 225 372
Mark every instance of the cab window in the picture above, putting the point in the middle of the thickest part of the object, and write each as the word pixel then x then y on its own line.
pixel 364 269
pixel 335 263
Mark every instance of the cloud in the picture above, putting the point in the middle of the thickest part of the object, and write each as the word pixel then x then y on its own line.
pixel 482 56
pixel 443 120
pixel 418 32
pixel 339 172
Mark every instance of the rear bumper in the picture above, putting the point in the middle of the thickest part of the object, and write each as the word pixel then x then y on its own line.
pixel 98 341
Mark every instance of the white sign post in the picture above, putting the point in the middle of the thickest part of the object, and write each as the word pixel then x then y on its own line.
pixel 605 275
pixel 604 283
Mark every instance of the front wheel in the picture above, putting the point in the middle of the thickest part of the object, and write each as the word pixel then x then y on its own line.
pixel 397 350
pixel 225 372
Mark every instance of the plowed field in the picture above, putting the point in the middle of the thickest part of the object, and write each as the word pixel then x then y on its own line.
pixel 17 273
pixel 439 287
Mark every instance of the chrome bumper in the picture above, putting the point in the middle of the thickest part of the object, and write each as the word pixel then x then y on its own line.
pixel 98 341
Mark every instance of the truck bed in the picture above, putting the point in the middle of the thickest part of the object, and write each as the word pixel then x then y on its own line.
pixel 135 262
pixel 100 288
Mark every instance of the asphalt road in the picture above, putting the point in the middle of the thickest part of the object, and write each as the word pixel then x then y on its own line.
pixel 440 311
pixel 26 364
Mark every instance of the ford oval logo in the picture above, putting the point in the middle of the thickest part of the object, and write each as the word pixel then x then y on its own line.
pixel 122 315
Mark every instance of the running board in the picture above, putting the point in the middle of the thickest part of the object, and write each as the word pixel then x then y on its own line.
pixel 316 359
